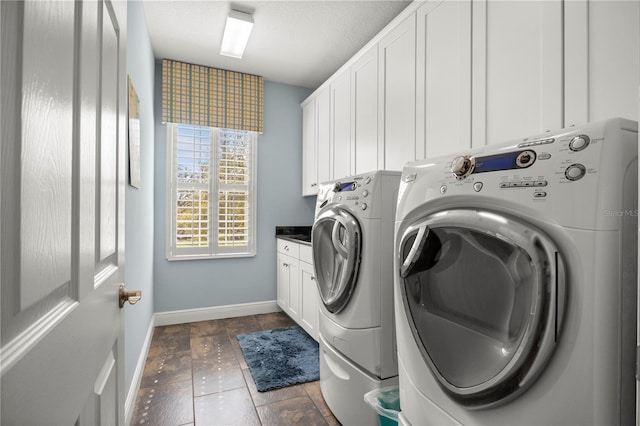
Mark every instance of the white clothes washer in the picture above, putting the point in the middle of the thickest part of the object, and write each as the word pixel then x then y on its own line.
pixel 352 243
pixel 516 281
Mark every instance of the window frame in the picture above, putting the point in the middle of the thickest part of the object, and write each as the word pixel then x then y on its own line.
pixel 213 186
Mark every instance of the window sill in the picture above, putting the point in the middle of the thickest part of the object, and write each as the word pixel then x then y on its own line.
pixel 208 256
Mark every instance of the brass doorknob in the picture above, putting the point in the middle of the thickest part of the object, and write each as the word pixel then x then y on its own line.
pixel 131 296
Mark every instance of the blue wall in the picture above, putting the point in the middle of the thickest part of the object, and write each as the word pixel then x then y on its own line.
pixel 192 284
pixel 138 273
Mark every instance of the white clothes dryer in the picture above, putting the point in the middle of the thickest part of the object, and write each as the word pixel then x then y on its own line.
pixel 352 243
pixel 516 281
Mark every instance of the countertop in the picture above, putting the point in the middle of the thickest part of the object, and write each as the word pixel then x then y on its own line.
pixel 295 234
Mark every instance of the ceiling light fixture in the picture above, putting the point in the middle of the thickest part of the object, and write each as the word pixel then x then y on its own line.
pixel 236 34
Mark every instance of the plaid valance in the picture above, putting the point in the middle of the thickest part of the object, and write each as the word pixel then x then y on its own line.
pixel 204 96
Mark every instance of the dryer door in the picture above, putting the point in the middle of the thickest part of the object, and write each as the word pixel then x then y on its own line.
pixel 484 296
pixel 336 240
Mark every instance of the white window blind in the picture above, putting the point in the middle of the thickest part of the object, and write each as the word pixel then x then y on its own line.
pixel 212 187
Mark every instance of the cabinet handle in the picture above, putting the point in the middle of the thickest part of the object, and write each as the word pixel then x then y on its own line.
pixel 286 265
pixel 286 248
pixel 313 278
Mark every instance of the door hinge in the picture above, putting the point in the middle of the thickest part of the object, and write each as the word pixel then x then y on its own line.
pixel 638 363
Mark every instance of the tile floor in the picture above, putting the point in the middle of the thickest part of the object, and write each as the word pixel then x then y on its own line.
pixel 195 374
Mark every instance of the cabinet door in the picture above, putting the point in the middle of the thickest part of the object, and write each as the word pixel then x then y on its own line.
pixel 364 79
pixel 323 141
pixel 309 162
pixel 295 290
pixel 443 80
pixel 341 113
pixel 397 70
pixel 602 60
pixel 309 306
pixel 283 282
pixel 517 69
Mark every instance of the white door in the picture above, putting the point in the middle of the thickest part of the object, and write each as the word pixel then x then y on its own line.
pixel 63 133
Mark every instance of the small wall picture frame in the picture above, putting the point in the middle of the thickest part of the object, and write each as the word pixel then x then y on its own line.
pixel 134 137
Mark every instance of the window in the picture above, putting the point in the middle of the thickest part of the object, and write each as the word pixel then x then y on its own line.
pixel 213 193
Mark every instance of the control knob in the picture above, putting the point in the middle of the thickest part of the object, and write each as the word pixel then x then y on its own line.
pixel 575 172
pixel 463 166
pixel 579 143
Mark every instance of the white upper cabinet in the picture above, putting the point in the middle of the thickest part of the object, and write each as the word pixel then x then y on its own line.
pixel 309 146
pixel 323 141
pixel 450 75
pixel 364 81
pixel 443 77
pixel 517 69
pixel 602 69
pixel 341 114
pixel 316 141
pixel 397 95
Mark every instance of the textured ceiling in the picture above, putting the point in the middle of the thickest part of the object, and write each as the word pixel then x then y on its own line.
pixel 294 42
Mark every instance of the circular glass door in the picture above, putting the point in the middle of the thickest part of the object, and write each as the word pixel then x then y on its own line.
pixel 336 240
pixel 484 296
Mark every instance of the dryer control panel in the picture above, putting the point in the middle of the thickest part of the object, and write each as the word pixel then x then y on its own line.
pixel 463 166
pixel 367 195
pixel 573 173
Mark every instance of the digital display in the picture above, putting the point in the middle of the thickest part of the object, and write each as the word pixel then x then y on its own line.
pixel 347 186
pixel 491 163
pixel 506 161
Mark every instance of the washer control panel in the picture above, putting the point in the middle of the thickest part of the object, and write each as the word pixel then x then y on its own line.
pixel 536 165
pixel 574 175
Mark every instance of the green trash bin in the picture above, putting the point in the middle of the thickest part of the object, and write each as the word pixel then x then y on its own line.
pixel 386 402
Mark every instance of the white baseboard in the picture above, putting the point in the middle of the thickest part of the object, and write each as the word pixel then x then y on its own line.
pixel 130 402
pixel 216 312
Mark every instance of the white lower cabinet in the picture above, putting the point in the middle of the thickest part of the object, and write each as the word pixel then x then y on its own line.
pixel 296 285
pixel 309 300
pixel 289 285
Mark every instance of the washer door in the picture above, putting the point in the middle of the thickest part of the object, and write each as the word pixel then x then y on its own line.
pixel 484 297
pixel 336 240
